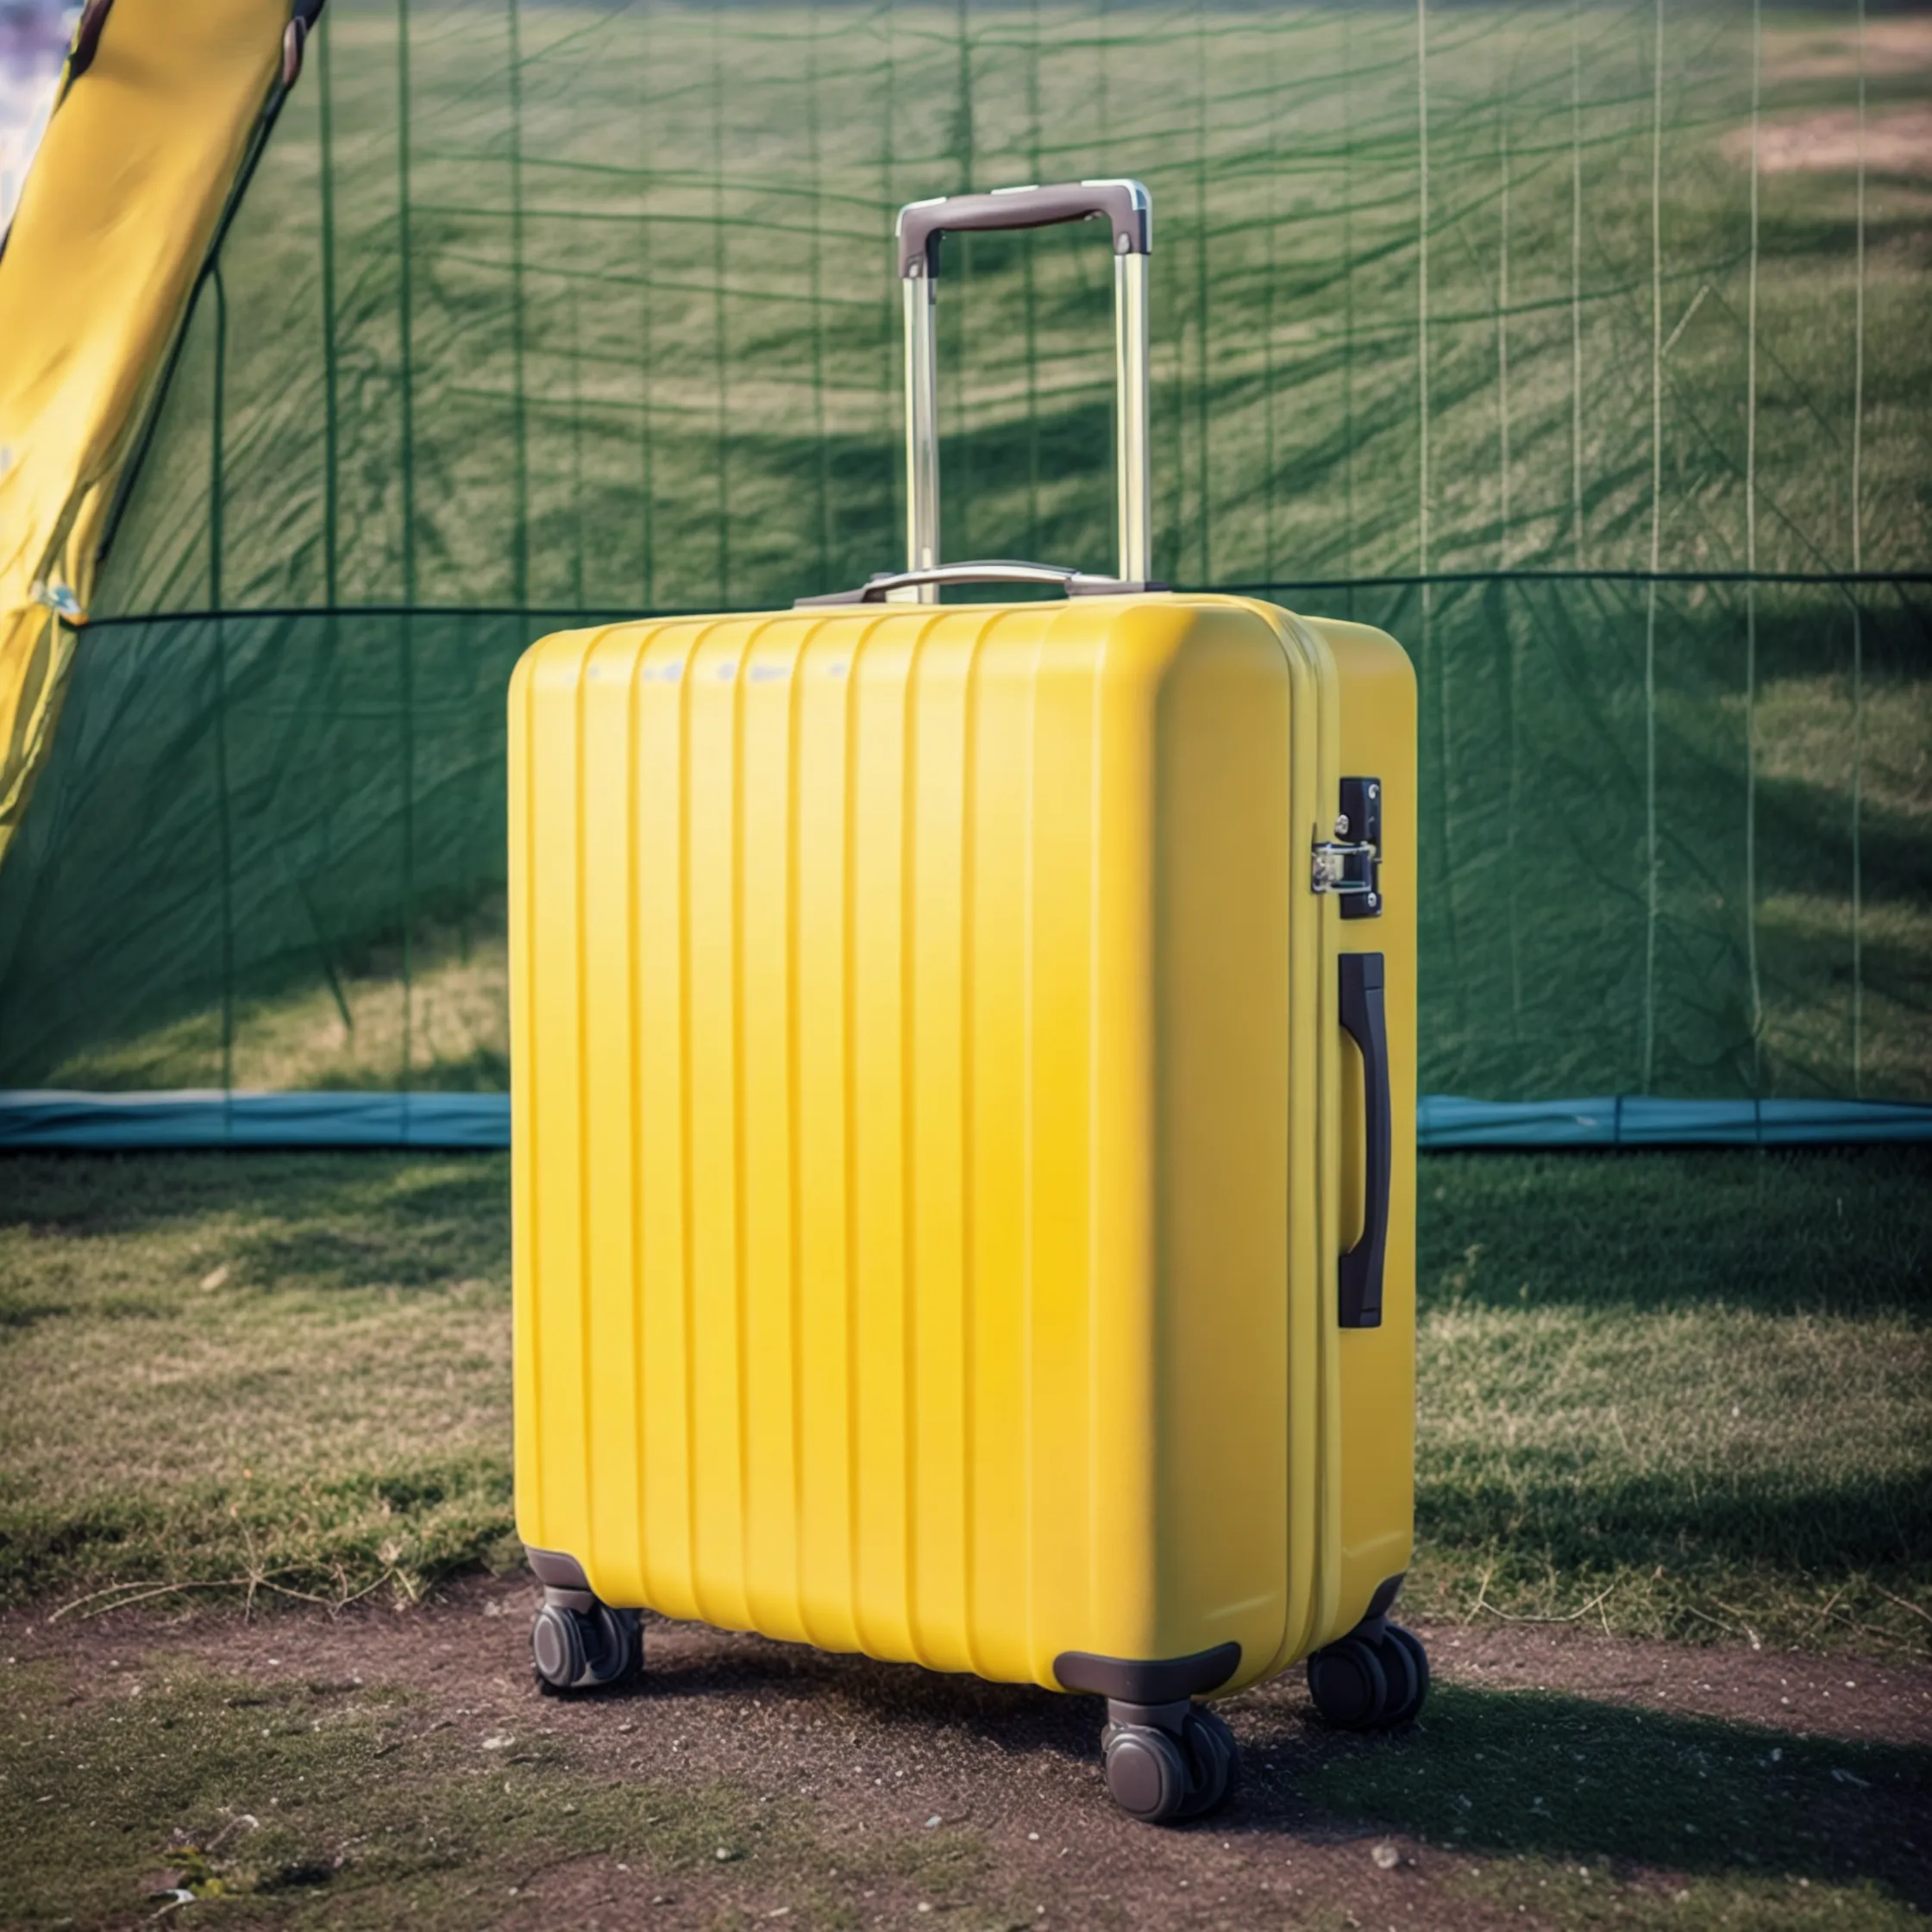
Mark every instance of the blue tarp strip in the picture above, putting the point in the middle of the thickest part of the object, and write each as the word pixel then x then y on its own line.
pixel 212 1119
pixel 1637 1121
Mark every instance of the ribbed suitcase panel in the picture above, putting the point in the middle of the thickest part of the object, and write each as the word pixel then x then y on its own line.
pixel 842 1310
pixel 935 803
pixel 657 1275
pixel 822 1022
pixel 610 1210
pixel 552 1411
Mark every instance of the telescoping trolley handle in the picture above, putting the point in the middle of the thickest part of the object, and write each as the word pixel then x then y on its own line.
pixel 1125 206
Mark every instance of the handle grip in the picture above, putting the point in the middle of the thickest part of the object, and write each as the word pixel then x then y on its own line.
pixel 921 223
pixel 1365 1021
pixel 993 570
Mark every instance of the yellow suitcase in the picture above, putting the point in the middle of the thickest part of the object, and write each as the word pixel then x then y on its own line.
pixel 963 1100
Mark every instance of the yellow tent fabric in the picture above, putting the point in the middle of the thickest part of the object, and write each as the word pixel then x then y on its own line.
pixel 129 187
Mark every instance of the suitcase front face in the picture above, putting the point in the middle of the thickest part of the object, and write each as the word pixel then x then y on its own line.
pixel 916 1035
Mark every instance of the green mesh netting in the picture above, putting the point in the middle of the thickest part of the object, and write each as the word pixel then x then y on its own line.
pixel 1583 348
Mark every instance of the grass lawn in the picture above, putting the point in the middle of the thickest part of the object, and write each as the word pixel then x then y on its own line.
pixel 1685 1395
pixel 1676 1394
pixel 284 1372
pixel 1689 1391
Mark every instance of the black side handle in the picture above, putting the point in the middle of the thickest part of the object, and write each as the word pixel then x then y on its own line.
pixel 1365 1021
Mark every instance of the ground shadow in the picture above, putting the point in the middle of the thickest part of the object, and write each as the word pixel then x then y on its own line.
pixel 1492 1772
pixel 1020 1718
pixel 1578 1781
pixel 1568 1509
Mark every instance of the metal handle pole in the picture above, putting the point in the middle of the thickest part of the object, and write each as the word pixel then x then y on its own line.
pixel 922 439
pixel 1134 478
pixel 921 226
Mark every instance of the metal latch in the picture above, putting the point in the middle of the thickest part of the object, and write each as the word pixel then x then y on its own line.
pixel 1347 869
pixel 1350 864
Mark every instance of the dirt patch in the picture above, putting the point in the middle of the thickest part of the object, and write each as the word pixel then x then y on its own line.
pixel 1827 143
pixel 902 1794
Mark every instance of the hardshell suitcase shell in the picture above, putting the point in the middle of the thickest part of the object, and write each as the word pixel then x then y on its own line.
pixel 945 1088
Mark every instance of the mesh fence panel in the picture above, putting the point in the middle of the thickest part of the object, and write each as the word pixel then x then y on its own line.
pixel 1581 347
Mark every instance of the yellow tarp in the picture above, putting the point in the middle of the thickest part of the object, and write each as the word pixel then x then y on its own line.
pixel 139 160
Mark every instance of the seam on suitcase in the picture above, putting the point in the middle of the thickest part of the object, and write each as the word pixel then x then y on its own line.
pixel 1303 1526
pixel 968 1256
pixel 907 970
pixel 1029 1139
pixel 741 1286
pixel 687 1218
pixel 794 1238
pixel 526 1156
pixel 1096 1034
pixel 849 1122
pixel 579 858
pixel 639 1179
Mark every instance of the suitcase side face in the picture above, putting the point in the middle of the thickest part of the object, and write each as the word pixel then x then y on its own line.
pixel 903 1010
pixel 1376 1443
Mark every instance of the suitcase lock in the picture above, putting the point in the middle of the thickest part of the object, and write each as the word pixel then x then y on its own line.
pixel 1350 864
